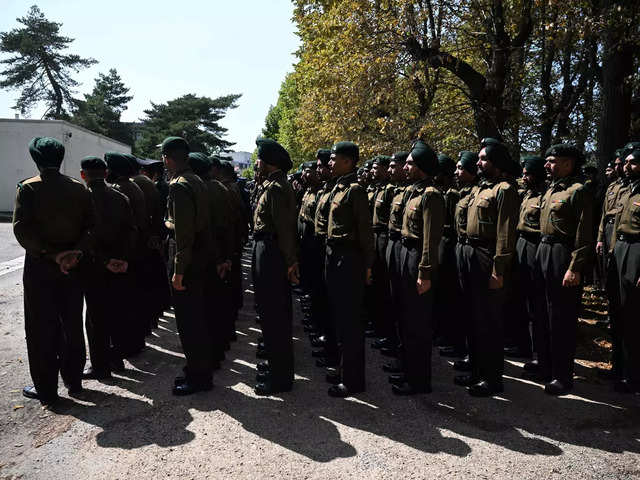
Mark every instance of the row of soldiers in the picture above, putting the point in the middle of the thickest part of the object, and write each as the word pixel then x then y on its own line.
pixel 106 243
pixel 471 252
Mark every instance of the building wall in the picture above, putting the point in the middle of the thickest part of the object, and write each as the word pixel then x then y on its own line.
pixel 16 163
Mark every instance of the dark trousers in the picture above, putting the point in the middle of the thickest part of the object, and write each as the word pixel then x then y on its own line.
pixel 526 296
pixel 381 290
pixel 465 293
pixel 394 267
pixel 189 307
pixel 417 323
pixel 486 350
pixel 104 316
pixel 345 274
pixel 217 312
pixel 447 313
pixel 273 294
pixel 53 325
pixel 140 318
pixel 320 299
pixel 558 322
pixel 612 285
pixel 627 257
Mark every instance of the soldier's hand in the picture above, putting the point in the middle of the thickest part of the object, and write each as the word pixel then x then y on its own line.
pixel 223 268
pixel 600 248
pixel 293 273
pixel 117 266
pixel 68 260
pixel 638 283
pixel 369 278
pixel 176 281
pixel 496 282
pixel 423 286
pixel 571 279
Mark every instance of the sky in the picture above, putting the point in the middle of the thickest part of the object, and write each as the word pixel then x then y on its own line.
pixel 165 49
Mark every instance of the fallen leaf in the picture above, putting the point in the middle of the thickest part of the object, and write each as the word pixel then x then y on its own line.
pixel 17 407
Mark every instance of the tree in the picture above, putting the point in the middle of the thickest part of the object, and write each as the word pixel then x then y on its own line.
pixel 192 117
pixel 100 110
pixel 38 65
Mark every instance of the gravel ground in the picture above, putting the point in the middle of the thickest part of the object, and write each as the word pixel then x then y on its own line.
pixel 133 426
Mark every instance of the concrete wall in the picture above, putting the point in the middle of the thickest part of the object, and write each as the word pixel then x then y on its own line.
pixel 16 163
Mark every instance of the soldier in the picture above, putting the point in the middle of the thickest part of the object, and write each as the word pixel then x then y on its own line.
pixel 114 236
pixel 217 302
pixel 422 226
pixel 52 221
pixel 393 259
pixel 348 265
pixel 119 171
pixel 565 226
pixel 627 255
pixel 380 312
pixel 466 179
pixel 188 217
pixel 323 204
pixel 276 265
pixel 492 215
pixel 447 300
pixel 529 287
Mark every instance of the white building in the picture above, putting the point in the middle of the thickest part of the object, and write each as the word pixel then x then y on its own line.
pixel 242 160
pixel 16 163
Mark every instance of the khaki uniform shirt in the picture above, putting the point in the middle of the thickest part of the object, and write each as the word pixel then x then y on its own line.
pixel 530 212
pixel 153 204
pixel 628 217
pixel 396 213
pixel 423 221
pixel 610 205
pixel 451 197
pixel 307 214
pixel 460 213
pixel 276 214
pixel 132 191
pixel 382 207
pixel 220 219
pixel 567 213
pixel 189 218
pixel 53 213
pixel 349 219
pixel 323 203
pixel 492 215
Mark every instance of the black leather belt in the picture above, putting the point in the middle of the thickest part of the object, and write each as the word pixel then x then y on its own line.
pixel 340 243
pixel 262 236
pixel 395 235
pixel 533 237
pixel 411 242
pixel 476 242
pixel 553 239
pixel 629 238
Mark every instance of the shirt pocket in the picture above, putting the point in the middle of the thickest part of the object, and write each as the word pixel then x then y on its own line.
pixel 414 218
pixel 635 215
pixel 560 214
pixel 486 213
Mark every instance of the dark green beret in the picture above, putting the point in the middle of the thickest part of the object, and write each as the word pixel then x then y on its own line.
pixel 446 164
pixel 271 152
pixel 311 165
pixel 469 161
pixel 498 154
pixel 324 155
pixel 133 162
pixel 93 163
pixel 348 149
pixel 199 163
pixel 171 144
pixel 424 157
pixel 118 163
pixel 145 162
pixel 215 161
pixel 47 152
pixel 399 157
pixel 565 150
pixel 368 165
pixel 630 147
pixel 382 160
pixel 635 154
pixel 534 165
pixel 227 167
pixel 618 153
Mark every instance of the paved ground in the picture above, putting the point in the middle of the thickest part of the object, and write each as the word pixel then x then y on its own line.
pixel 133 427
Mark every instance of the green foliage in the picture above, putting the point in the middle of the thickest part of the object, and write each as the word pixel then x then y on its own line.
pixel 192 117
pixel 38 65
pixel 101 109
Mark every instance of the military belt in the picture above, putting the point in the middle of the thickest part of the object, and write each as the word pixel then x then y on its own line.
pixel 477 242
pixel 340 243
pixel 553 239
pixel 411 242
pixel 533 237
pixel 629 237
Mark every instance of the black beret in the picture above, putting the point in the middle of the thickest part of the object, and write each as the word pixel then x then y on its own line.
pixel 382 160
pixel 611 164
pixel 199 163
pixel 324 155
pixel 534 165
pixel 118 163
pixel 133 162
pixel 348 149
pixel 171 144
pixel 215 161
pixel 618 153
pixel 93 163
pixel 498 154
pixel 446 164
pixel 399 157
pixel 628 148
pixel 424 157
pixel 368 165
pixel 145 162
pixel 271 152
pixel 565 150
pixel 635 154
pixel 227 166
pixel 469 161
pixel 47 152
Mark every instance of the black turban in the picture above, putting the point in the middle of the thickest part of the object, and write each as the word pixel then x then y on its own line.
pixel 424 157
pixel 348 149
pixel 382 160
pixel 629 148
pixel 47 152
pixel 271 152
pixel 534 165
pixel 498 155
pixel 469 161
pixel 566 150
pixel 400 157
pixel 446 165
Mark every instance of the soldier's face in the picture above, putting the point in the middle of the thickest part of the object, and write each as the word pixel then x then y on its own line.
pixel 169 163
pixel 485 167
pixel 395 172
pixel 610 173
pixel 558 167
pixel 528 178
pixel 632 167
pixel 339 165
pixel 618 166
pixel 411 169
pixel 463 176
pixel 323 172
